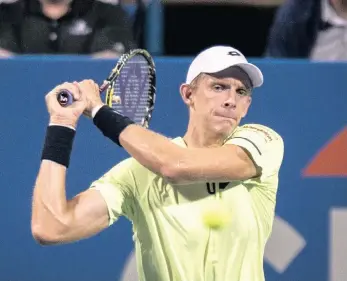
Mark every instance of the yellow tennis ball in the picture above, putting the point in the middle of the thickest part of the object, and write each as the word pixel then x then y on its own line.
pixel 216 216
pixel 116 99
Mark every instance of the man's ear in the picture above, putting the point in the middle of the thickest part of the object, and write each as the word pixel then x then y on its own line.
pixel 186 91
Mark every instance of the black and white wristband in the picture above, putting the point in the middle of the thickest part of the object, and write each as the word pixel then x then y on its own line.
pixel 58 144
pixel 111 123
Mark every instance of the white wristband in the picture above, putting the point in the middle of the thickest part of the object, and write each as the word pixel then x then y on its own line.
pixel 67 126
pixel 95 110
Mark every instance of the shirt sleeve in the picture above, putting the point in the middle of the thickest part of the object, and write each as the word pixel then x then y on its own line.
pixel 117 188
pixel 264 145
pixel 115 30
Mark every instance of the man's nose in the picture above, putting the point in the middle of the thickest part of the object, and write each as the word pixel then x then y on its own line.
pixel 231 100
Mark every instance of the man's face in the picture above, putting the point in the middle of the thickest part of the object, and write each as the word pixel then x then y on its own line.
pixel 219 102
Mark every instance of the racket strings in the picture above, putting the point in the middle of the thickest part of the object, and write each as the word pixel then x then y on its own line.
pixel 130 91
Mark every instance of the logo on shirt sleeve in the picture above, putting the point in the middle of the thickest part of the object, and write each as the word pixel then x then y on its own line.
pixel 267 134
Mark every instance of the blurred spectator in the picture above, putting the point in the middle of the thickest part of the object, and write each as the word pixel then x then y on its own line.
pixel 97 27
pixel 313 29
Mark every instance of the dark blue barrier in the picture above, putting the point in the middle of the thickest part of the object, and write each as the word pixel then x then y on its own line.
pixel 305 102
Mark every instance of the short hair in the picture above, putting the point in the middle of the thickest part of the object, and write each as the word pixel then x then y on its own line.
pixel 196 80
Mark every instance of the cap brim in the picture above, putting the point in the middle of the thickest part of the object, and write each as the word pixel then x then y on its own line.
pixel 253 72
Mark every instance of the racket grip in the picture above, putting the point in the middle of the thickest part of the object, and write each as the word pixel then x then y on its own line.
pixel 65 98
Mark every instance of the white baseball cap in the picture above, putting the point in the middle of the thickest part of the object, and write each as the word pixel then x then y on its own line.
pixel 218 58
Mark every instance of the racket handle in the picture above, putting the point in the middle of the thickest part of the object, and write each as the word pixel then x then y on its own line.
pixel 65 98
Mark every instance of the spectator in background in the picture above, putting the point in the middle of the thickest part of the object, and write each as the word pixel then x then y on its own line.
pixel 97 27
pixel 313 29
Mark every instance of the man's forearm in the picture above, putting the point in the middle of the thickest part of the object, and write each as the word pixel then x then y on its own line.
pixel 180 165
pixel 156 152
pixel 50 207
pixel 49 203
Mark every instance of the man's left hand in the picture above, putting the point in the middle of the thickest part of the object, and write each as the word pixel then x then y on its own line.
pixel 90 90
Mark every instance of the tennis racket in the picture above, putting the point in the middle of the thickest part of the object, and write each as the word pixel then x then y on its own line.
pixel 130 87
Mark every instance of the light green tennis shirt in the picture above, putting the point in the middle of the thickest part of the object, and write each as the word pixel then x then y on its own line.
pixel 171 241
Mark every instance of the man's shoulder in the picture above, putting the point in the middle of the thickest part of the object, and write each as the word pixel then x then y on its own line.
pixel 258 139
pixel 267 133
pixel 263 143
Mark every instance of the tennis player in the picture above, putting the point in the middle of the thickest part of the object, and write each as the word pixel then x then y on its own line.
pixel 167 184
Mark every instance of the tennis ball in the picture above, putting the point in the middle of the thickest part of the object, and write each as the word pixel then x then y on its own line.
pixel 116 99
pixel 216 216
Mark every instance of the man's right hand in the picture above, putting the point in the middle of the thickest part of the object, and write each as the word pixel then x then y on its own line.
pixel 65 116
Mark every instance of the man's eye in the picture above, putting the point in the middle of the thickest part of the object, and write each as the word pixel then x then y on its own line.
pixel 242 92
pixel 218 88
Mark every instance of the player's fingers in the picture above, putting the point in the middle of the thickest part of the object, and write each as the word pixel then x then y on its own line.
pixel 96 86
pixel 88 83
pixel 80 90
pixel 83 102
pixel 51 97
pixel 89 88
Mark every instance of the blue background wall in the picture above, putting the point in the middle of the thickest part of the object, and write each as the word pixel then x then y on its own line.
pixel 305 102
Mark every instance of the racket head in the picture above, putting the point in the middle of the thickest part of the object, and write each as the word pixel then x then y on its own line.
pixel 131 86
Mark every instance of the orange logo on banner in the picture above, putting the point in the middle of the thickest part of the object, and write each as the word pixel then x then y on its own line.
pixel 331 160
